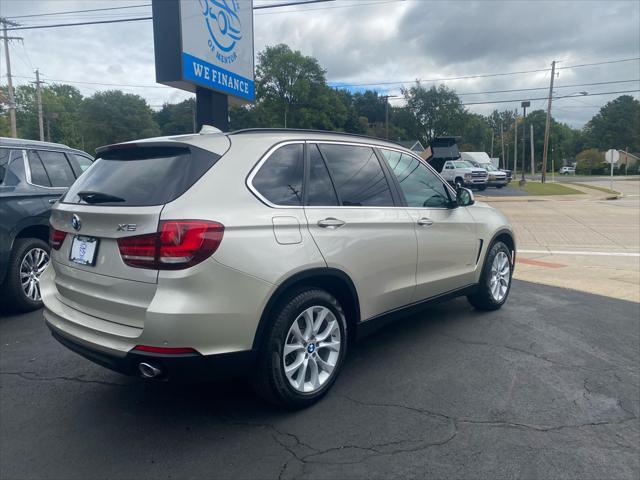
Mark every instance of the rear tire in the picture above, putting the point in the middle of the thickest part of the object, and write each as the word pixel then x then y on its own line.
pixel 482 188
pixel 495 281
pixel 314 357
pixel 28 259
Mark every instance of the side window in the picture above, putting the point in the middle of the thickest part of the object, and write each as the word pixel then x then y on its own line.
pixel 421 187
pixel 57 168
pixel 320 190
pixel 14 170
pixel 358 176
pixel 5 154
pixel 279 179
pixel 79 163
pixel 38 173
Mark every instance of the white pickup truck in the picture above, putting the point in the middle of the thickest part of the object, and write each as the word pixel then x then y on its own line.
pixel 462 174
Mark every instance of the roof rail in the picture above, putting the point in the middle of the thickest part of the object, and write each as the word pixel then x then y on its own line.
pixel 308 130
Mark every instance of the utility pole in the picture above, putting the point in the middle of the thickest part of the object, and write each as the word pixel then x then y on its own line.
pixel 386 114
pixel 533 161
pixel 524 106
pixel 515 147
pixel 548 124
pixel 12 98
pixel 504 165
pixel 492 135
pixel 38 82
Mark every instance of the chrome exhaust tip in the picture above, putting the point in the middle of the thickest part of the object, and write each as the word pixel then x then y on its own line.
pixel 149 371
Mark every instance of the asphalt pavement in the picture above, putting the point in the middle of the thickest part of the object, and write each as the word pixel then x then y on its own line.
pixel 547 387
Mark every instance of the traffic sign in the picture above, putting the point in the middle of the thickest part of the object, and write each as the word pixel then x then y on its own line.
pixel 612 156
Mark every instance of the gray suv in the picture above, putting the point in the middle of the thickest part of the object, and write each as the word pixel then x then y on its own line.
pixel 33 175
pixel 260 251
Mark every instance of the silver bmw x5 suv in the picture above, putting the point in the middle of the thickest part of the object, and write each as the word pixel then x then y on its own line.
pixel 260 251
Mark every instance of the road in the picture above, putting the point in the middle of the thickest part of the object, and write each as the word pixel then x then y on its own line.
pixel 547 387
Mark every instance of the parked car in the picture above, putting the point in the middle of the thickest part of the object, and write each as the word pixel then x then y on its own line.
pixel 463 174
pixel 568 170
pixel 33 175
pixel 260 251
pixel 497 178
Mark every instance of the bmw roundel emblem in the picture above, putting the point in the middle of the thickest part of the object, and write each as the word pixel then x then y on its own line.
pixel 75 222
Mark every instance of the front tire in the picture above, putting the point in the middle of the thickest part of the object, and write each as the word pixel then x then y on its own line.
pixel 28 260
pixel 495 281
pixel 303 352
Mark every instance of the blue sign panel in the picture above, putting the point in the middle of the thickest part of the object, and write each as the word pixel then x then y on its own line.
pixel 217 78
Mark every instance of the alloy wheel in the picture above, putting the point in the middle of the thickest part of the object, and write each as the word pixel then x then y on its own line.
pixel 33 264
pixel 500 276
pixel 312 349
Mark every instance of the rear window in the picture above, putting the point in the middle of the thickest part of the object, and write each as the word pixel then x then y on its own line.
pixel 141 176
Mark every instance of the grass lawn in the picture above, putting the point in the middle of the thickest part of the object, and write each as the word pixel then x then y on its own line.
pixel 538 188
pixel 602 189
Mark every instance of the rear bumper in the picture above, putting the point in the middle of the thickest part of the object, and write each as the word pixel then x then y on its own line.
pixel 186 367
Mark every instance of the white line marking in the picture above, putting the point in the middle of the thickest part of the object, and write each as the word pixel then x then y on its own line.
pixel 590 254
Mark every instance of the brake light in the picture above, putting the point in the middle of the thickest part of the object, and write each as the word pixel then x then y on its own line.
pixel 178 244
pixel 56 238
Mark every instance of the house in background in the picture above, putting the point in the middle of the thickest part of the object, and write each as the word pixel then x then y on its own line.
pixel 627 160
pixel 413 145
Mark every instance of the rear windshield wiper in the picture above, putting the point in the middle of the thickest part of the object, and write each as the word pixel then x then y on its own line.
pixel 98 197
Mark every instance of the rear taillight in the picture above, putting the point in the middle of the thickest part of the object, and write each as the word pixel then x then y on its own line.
pixel 178 244
pixel 56 238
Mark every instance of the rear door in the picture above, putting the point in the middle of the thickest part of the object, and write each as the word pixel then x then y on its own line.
pixel 353 218
pixel 447 240
pixel 121 195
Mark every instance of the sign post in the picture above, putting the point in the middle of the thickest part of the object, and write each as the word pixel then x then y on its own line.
pixel 206 47
pixel 611 156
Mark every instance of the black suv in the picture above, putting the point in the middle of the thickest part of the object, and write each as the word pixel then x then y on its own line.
pixel 33 175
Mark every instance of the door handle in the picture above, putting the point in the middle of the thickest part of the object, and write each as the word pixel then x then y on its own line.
pixel 330 222
pixel 54 200
pixel 425 222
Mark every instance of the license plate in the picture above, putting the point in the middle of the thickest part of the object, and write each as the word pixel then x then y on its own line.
pixel 83 250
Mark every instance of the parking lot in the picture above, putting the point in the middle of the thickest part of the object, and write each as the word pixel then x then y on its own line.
pixel 547 387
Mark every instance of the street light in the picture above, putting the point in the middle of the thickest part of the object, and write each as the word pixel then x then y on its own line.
pixel 524 106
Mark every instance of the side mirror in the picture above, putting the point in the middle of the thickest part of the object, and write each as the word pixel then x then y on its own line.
pixel 464 196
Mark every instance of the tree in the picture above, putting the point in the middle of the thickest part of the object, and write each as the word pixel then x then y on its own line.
pixel 437 111
pixel 590 161
pixel 113 116
pixel 616 125
pixel 291 90
pixel 178 118
pixel 476 133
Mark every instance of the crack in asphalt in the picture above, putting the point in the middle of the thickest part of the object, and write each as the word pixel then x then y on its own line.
pixel 533 354
pixel 36 378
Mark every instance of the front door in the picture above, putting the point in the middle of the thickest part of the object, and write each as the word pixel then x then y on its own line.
pixel 446 234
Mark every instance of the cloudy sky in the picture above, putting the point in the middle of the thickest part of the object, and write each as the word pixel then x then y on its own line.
pixel 378 43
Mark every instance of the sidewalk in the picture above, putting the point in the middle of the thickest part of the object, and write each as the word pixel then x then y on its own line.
pixel 582 242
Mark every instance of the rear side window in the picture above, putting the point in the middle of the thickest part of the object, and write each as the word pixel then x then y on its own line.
pixel 5 155
pixel 279 179
pixel 141 176
pixel 357 175
pixel 38 173
pixel 320 191
pixel 79 163
pixel 57 167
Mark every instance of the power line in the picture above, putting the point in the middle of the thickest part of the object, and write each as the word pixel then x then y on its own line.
pixel 69 12
pixel 81 11
pixel 467 77
pixel 139 19
pixel 555 98
pixel 545 88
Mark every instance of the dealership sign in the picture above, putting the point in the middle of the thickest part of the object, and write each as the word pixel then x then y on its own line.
pixel 206 43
